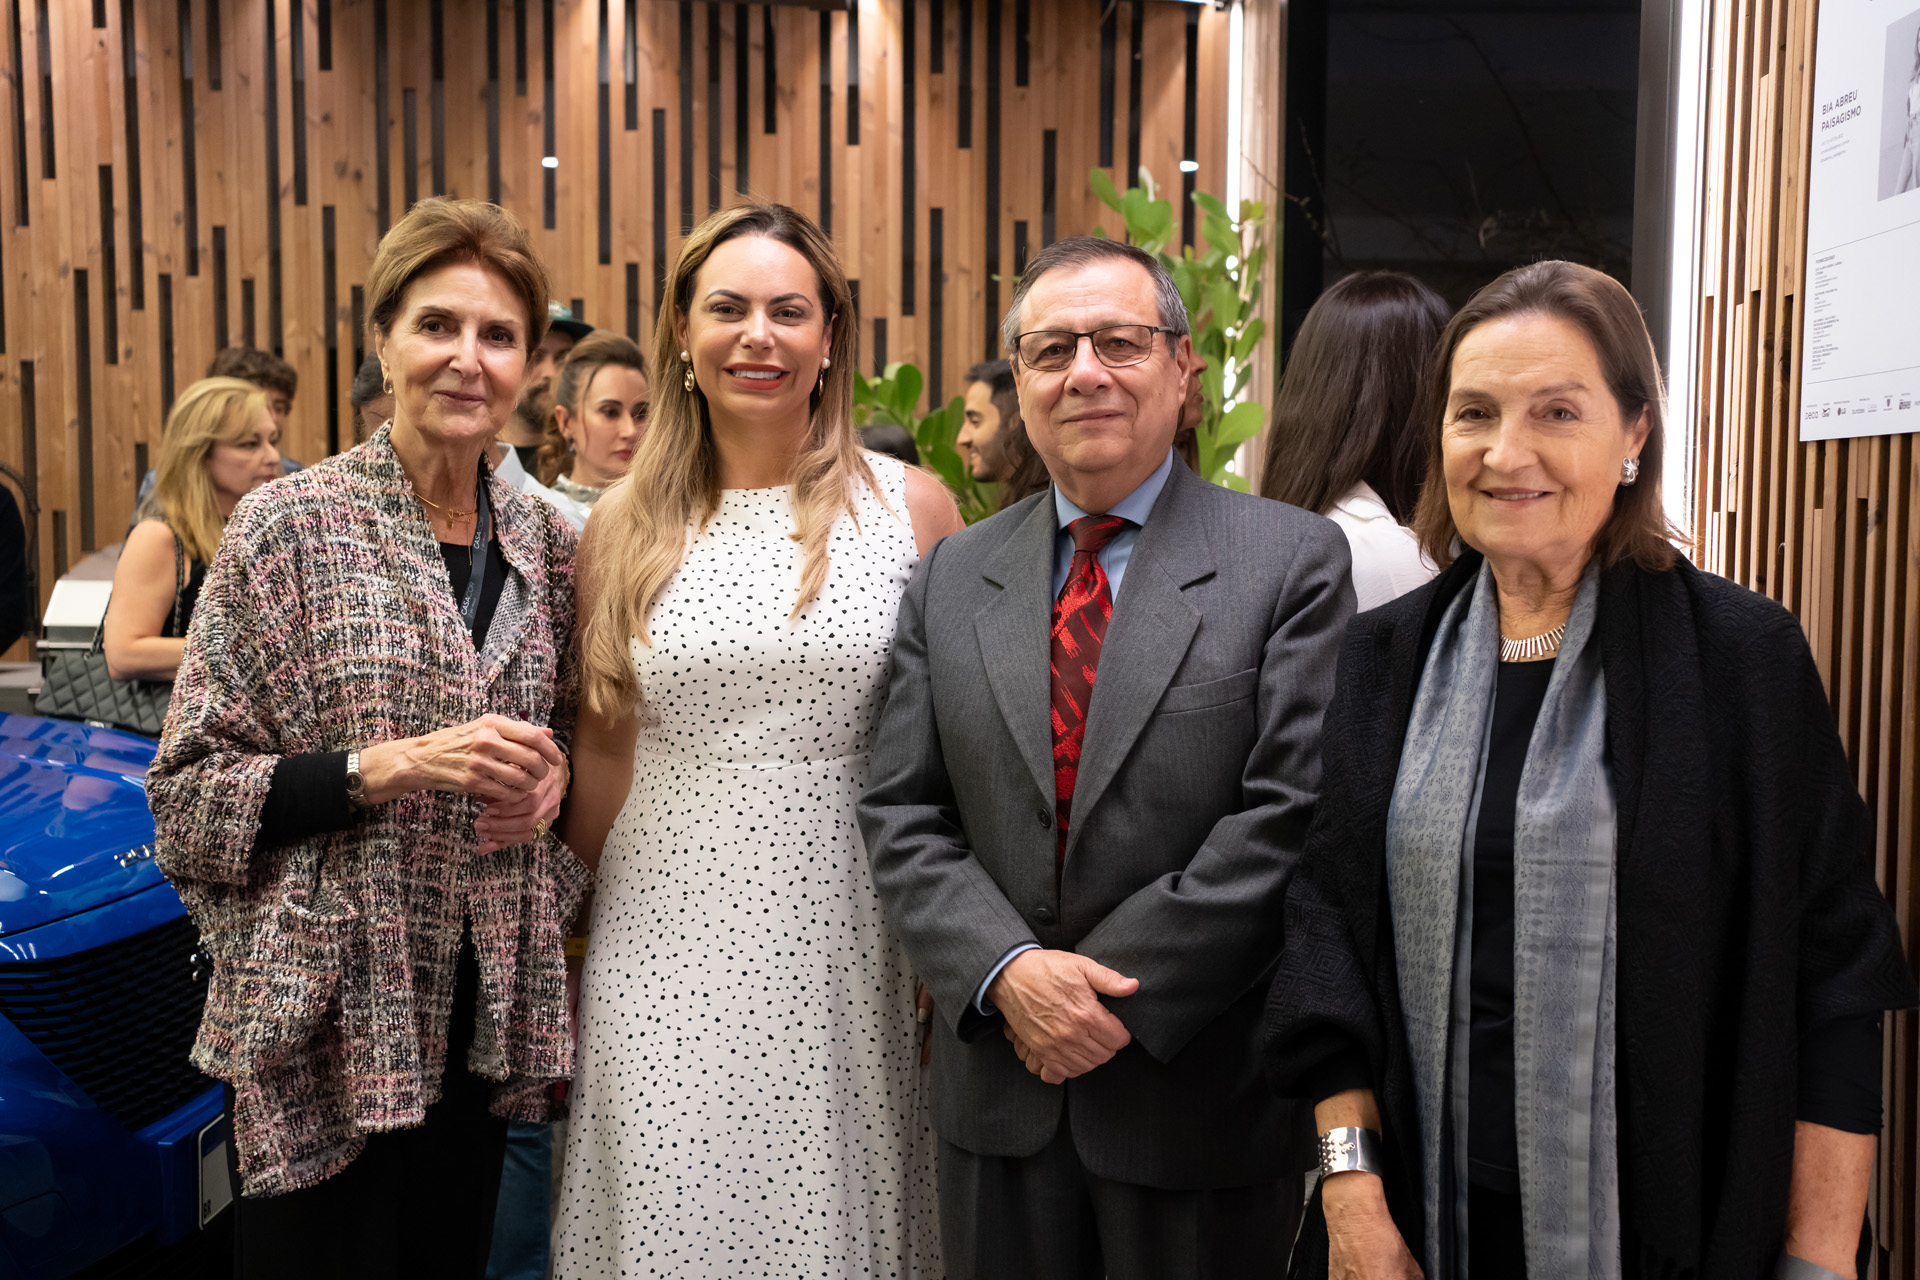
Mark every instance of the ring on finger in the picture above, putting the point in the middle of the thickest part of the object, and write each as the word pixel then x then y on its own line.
pixel 540 828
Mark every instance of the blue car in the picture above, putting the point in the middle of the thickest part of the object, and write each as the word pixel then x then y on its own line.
pixel 113 1148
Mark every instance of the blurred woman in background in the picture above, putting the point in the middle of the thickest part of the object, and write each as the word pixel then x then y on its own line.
pixel 1345 439
pixel 600 411
pixel 371 399
pixel 220 444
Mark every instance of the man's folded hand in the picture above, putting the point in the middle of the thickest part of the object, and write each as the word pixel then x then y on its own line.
pixel 1054 1018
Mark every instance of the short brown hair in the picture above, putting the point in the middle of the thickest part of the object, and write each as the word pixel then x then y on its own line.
pixel 262 368
pixel 1084 251
pixel 1601 308
pixel 439 232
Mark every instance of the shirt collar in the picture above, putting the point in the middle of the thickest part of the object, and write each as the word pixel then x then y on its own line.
pixel 1136 506
pixel 508 468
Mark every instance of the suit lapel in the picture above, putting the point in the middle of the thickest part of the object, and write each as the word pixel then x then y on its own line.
pixel 1153 624
pixel 1014 631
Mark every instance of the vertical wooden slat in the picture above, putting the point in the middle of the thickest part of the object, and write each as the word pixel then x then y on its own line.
pixel 219 173
pixel 1828 528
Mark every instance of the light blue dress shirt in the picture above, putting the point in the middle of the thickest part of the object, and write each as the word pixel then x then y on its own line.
pixel 1113 558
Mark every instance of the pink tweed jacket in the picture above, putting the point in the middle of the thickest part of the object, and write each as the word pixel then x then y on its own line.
pixel 326 622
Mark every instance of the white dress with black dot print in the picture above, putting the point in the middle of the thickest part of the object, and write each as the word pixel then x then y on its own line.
pixel 748 1099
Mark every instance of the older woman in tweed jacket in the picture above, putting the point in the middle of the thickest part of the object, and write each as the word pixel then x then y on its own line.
pixel 355 784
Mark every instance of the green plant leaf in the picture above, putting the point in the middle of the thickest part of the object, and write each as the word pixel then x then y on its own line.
pixel 906 392
pixel 1223 302
pixel 1211 204
pixel 1103 188
pixel 1237 483
pixel 1244 344
pixel 1219 233
pixel 1240 424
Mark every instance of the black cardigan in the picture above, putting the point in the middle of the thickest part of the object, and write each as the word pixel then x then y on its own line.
pixel 1745 876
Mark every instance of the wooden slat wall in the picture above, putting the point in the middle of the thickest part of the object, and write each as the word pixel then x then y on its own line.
pixel 1830 529
pixel 168 185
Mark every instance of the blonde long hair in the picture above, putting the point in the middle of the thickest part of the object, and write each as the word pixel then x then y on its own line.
pixel 675 479
pixel 212 411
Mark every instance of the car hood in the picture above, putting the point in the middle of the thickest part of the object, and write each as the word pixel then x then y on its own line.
pixel 75 831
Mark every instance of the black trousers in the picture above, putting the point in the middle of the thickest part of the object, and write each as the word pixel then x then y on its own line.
pixel 416 1203
pixel 1044 1217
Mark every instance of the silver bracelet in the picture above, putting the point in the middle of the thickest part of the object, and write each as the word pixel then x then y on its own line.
pixel 1350 1150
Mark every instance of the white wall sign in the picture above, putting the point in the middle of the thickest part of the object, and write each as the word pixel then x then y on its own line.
pixel 1860 361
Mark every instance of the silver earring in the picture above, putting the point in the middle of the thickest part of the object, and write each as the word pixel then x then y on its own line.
pixel 687 381
pixel 1629 471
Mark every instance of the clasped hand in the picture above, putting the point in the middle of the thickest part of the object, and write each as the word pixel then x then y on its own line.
pixel 514 766
pixel 1054 1018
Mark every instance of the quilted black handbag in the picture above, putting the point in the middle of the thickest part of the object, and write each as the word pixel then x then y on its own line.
pixel 76 686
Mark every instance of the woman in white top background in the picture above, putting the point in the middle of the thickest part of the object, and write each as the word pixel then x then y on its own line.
pixel 1343 439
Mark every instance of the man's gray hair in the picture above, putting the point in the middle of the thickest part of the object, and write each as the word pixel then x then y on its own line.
pixel 1083 251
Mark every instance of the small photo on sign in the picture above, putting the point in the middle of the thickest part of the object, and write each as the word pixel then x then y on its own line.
pixel 1900 116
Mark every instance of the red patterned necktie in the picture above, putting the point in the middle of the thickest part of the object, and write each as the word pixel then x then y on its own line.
pixel 1080 618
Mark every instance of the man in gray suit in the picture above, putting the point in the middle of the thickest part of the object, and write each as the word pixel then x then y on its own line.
pixel 1094 773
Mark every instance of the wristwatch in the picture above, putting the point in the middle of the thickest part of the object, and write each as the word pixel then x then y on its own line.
pixel 356 784
pixel 1349 1150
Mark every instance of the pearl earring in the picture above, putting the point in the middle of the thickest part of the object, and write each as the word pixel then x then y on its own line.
pixel 1629 471
pixel 826 363
pixel 687 381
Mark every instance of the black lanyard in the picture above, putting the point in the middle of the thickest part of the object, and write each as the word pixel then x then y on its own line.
pixel 482 538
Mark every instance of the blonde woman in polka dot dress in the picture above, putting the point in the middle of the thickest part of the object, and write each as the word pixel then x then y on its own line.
pixel 748 1098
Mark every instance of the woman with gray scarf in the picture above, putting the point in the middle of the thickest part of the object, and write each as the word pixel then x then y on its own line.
pixel 1584 959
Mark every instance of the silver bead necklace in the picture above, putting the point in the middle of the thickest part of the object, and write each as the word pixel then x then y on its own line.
pixel 1533 646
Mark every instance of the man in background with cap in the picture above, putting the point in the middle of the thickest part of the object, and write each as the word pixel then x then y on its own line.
pixel 527 426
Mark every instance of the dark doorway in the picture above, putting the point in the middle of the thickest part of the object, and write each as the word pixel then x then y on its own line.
pixel 1455 139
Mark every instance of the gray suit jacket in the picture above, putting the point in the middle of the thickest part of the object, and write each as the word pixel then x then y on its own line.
pixel 1195 791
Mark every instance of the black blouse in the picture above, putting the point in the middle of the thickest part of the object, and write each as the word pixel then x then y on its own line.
pixel 1493 1145
pixel 189 596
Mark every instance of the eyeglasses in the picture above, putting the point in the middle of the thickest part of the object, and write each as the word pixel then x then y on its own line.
pixel 1117 346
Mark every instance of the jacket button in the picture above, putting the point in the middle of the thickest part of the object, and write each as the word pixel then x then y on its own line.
pixel 1046 819
pixel 1043 915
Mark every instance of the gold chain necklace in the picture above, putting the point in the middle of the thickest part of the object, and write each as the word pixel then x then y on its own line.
pixel 451 513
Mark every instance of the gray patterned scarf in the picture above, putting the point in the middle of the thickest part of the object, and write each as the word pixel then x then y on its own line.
pixel 1564 938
